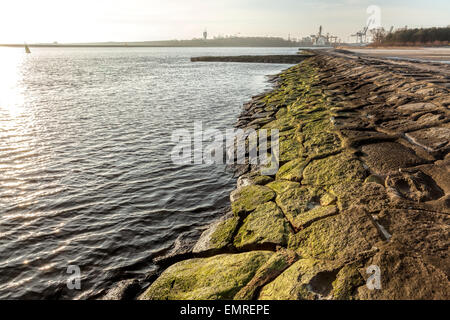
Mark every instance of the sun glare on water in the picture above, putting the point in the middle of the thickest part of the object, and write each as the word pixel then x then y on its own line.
pixel 11 77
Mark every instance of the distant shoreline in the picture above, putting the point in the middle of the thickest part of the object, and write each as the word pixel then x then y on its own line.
pixel 136 46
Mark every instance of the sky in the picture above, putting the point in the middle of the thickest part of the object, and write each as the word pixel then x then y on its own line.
pixel 68 21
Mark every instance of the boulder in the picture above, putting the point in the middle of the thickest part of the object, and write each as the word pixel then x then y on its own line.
pixel 332 170
pixel 246 199
pixel 216 278
pixel 264 227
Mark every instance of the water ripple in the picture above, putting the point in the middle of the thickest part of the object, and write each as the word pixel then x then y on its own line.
pixel 85 172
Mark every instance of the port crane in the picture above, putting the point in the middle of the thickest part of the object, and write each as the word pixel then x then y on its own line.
pixel 361 36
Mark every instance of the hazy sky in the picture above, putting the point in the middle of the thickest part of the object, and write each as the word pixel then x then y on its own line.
pixel 136 20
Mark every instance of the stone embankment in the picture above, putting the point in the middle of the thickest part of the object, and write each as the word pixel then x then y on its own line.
pixel 364 183
pixel 288 59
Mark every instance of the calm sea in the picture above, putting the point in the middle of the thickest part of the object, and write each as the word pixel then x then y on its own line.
pixel 86 177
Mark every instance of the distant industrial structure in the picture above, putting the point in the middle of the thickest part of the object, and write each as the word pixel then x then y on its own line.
pixel 362 37
pixel 322 40
pixel 205 34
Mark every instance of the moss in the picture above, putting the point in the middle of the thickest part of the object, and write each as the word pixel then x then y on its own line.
pixel 321 143
pixel 327 199
pixel 338 237
pixel 262 180
pixel 218 236
pixel 289 149
pixel 301 205
pixel 374 179
pixel 281 186
pixel 292 171
pixel 266 225
pixel 254 178
pixel 347 280
pixel 312 215
pixel 282 124
pixel 333 170
pixel 371 196
pixel 281 113
pixel 279 262
pixel 294 283
pixel 248 198
pixel 216 278
pixel 223 234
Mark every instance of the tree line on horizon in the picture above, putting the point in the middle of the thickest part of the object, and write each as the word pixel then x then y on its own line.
pixel 412 37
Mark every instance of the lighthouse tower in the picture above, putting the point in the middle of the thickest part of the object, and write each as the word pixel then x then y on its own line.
pixel 205 34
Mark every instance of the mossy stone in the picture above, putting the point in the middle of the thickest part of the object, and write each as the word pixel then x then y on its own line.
pixel 279 262
pixel 294 283
pixel 250 197
pixel 341 236
pixel 292 171
pixel 347 280
pixel 281 186
pixel 340 168
pixel 216 278
pixel 218 236
pixel 264 226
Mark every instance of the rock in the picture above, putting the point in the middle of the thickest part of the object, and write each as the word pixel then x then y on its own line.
pixel 317 139
pixel 292 171
pixel 281 186
pixel 253 178
pixel 414 186
pixel 355 138
pixel 302 206
pixel 333 170
pixel 338 237
pixel 289 149
pixel 218 236
pixel 387 157
pixel 433 140
pixel 246 199
pixel 216 278
pixel 404 277
pixel 265 227
pixel 307 279
pixel 348 279
pixel 181 249
pixel 123 290
pixel 416 107
pixel 279 262
pixel 375 179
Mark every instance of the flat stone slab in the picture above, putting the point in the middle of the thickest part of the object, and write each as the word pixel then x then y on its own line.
pixel 266 226
pixel 388 157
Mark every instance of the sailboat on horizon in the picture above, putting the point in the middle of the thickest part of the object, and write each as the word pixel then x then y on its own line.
pixel 27 49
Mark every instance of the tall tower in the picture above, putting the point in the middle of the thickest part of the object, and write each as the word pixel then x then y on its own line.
pixel 205 34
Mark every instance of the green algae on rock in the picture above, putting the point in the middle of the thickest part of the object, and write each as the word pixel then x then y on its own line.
pixel 216 278
pixel 218 236
pixel 301 204
pixel 295 282
pixel 332 170
pixel 266 226
pixel 279 262
pixel 281 186
pixel 292 171
pixel 246 199
pixel 338 237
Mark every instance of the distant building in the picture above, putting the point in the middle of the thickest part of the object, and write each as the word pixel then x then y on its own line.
pixel 205 34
